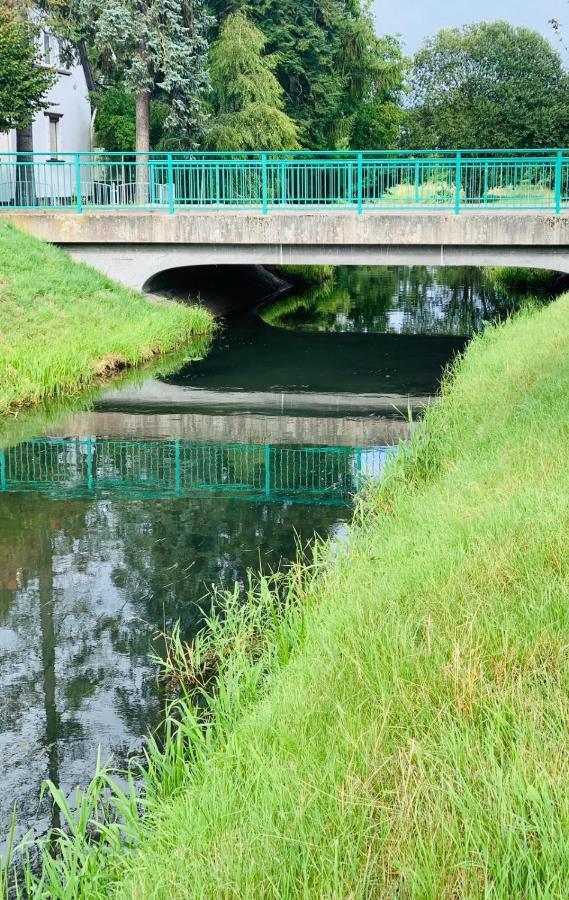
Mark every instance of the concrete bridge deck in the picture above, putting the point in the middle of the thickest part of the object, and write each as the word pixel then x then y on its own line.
pixel 134 246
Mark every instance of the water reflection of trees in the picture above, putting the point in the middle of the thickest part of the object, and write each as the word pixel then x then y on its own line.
pixel 84 586
pixel 31 724
pixel 178 549
pixel 401 299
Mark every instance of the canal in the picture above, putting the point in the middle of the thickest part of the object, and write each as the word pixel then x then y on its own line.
pixel 116 522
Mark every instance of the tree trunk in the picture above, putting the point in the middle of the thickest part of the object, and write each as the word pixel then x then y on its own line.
pixel 48 642
pixel 25 184
pixel 142 146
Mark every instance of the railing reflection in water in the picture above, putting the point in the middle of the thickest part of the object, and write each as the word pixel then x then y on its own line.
pixel 90 467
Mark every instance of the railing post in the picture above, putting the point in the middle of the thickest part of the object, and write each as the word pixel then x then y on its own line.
pixel 170 184
pixel 360 184
pixel 267 471
pixel 78 188
pixel 90 452
pixel 558 180
pixel 264 185
pixel 458 170
pixel 283 183
pixel 3 485
pixel 486 182
pixel 417 182
pixel 217 186
pixel 178 468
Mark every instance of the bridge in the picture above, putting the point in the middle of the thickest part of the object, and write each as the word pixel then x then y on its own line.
pixel 91 468
pixel 134 216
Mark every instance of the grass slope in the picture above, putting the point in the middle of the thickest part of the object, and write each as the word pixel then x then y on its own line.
pixel 305 276
pixel 537 282
pixel 416 744
pixel 64 326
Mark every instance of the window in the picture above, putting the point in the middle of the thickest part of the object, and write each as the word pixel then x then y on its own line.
pixel 54 135
pixel 47 48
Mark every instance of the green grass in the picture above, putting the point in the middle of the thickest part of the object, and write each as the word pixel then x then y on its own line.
pixel 305 276
pixel 65 327
pixel 540 282
pixel 427 193
pixel 393 721
pixel 441 191
pixel 520 194
pixel 22 424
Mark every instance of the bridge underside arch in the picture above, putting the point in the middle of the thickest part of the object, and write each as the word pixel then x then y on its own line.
pixel 136 265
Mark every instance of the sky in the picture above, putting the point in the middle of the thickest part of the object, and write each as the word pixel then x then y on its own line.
pixel 415 19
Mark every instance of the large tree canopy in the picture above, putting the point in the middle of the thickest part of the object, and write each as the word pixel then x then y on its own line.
pixel 488 85
pixel 23 82
pixel 158 48
pixel 342 83
pixel 284 72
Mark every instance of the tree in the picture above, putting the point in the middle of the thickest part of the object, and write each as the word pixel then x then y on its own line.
pixel 247 99
pixel 116 120
pixel 375 71
pixel 488 85
pixel 23 82
pixel 159 49
pixel 328 62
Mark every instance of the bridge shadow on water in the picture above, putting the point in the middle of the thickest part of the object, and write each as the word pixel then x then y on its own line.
pixel 261 358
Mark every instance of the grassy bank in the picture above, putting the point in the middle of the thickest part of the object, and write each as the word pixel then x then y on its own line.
pixel 23 424
pixel 394 721
pixel 64 327
pixel 537 282
pixel 305 276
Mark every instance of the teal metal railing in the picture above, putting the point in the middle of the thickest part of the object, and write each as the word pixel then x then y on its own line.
pixel 89 467
pixel 362 181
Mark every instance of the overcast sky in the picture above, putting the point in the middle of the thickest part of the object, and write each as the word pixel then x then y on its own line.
pixel 415 19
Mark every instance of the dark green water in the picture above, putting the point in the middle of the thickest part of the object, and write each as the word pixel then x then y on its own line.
pixel 115 524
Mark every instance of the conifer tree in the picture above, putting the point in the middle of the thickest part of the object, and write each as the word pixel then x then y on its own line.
pixel 158 48
pixel 247 99
pixel 342 83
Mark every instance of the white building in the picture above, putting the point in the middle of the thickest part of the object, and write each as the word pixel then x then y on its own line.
pixel 64 126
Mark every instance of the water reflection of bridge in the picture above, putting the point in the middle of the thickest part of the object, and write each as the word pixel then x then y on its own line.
pixel 78 468
pixel 115 420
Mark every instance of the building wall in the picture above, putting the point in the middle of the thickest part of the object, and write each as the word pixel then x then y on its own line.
pixel 68 98
pixel 69 107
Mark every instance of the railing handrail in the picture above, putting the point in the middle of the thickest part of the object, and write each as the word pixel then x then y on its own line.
pixel 466 153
